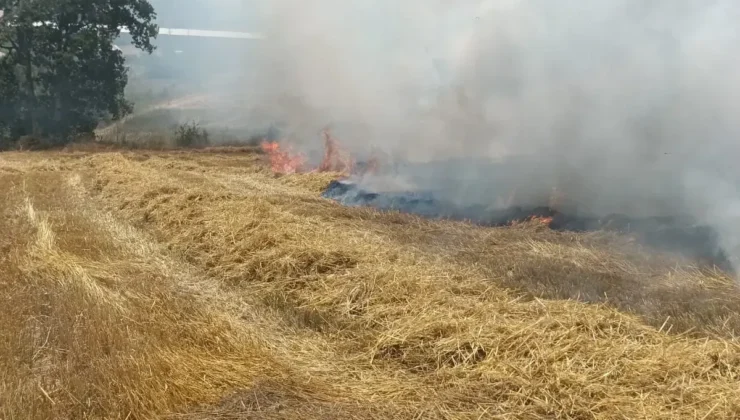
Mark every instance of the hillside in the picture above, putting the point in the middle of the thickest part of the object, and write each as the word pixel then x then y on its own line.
pixel 197 284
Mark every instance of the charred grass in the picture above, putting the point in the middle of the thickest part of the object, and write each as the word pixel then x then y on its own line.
pixel 198 285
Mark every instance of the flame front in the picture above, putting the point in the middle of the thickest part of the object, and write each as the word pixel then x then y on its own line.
pixel 283 161
pixel 336 159
pixel 545 220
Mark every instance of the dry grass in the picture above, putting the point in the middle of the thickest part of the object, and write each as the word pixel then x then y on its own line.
pixel 198 285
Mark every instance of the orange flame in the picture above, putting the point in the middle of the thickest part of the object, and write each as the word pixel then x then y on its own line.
pixel 541 219
pixel 335 159
pixel 283 161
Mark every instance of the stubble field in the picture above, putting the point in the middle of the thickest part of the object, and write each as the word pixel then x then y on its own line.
pixel 196 284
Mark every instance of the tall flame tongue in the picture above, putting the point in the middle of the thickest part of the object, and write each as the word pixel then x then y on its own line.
pixel 335 159
pixel 283 161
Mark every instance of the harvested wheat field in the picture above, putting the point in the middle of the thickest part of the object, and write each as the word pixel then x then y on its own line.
pixel 195 285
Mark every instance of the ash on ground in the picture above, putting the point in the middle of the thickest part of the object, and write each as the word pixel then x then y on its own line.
pixel 679 234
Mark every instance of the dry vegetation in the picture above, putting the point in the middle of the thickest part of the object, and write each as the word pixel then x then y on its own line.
pixel 198 285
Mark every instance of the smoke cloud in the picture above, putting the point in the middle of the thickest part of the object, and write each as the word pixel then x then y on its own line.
pixel 625 106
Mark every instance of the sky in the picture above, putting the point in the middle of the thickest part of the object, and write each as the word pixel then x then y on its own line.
pixel 225 15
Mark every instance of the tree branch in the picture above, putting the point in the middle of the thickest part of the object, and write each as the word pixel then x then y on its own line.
pixel 14 45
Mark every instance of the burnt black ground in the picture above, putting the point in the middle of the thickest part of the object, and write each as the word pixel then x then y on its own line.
pixel 674 234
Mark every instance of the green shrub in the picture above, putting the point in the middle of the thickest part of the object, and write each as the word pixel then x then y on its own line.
pixel 191 135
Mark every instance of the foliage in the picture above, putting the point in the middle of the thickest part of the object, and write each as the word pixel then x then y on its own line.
pixel 191 135
pixel 60 75
pixel 8 103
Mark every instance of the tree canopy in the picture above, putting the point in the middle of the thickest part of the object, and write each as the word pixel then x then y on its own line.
pixel 60 75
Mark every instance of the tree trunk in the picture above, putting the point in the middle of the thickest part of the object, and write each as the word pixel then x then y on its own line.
pixel 25 53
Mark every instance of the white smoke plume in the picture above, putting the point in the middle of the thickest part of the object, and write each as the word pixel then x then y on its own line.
pixel 626 106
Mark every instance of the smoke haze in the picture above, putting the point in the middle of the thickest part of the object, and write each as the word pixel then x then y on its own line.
pixel 625 106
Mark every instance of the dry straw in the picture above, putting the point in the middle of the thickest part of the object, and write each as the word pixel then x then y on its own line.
pixel 199 285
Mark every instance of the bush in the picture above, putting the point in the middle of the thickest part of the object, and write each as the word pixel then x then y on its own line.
pixel 191 135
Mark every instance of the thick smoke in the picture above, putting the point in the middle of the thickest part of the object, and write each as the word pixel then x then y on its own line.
pixel 625 106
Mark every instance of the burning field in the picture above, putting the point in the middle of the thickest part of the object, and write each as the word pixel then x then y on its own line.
pixel 520 210
pixel 203 285
pixel 368 185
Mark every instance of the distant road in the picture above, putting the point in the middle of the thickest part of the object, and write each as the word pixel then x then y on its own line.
pixel 189 32
pixel 207 34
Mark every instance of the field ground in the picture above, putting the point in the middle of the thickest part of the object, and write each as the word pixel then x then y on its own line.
pixel 198 285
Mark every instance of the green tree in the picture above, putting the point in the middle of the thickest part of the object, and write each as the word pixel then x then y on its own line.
pixel 60 74
pixel 9 105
